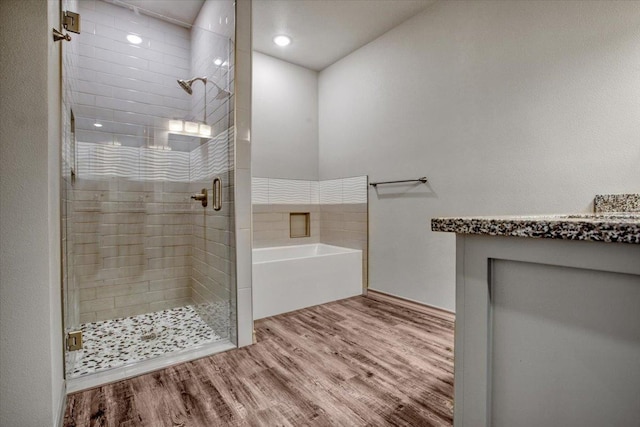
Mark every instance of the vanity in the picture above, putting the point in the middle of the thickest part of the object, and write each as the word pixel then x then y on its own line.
pixel 547 318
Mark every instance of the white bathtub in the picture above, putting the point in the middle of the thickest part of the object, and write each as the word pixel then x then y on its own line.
pixel 288 278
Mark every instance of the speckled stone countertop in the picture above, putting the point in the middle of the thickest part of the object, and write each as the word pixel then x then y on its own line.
pixel 613 227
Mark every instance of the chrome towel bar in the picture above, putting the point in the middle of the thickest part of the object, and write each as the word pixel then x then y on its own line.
pixel 422 180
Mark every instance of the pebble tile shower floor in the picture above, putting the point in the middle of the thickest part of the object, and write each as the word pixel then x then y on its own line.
pixel 119 342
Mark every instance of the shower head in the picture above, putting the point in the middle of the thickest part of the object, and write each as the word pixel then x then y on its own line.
pixel 186 84
pixel 222 94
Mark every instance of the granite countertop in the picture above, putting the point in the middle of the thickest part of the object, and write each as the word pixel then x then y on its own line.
pixel 613 227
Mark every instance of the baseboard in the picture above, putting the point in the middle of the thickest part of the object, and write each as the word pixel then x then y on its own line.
pixel 414 305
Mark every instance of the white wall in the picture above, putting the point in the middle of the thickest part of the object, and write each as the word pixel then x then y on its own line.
pixel 507 108
pixel 285 119
pixel 31 379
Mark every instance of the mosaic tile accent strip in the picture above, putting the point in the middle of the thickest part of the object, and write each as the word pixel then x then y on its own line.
pixel 612 228
pixel 119 342
pixel 617 203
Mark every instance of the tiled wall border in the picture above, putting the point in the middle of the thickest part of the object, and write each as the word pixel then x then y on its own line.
pixel 276 191
pixel 97 161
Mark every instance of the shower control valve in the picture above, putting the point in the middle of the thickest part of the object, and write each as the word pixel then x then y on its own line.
pixel 202 197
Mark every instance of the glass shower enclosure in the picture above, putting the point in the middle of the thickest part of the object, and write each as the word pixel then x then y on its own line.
pixel 147 194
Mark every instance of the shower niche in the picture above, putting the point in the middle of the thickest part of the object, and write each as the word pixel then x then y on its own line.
pixel 148 271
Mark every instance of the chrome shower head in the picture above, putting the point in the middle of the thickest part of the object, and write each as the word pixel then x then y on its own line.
pixel 222 94
pixel 186 84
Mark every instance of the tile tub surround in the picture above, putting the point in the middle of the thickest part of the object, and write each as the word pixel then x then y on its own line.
pixel 338 209
pixel 611 228
pixel 616 203
pixel 271 225
pixel 346 225
pixel 119 342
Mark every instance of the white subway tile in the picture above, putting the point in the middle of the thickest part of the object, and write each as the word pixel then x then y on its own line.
pixel 133 24
pixel 109 32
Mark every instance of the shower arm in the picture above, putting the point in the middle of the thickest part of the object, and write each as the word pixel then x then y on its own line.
pixel 186 85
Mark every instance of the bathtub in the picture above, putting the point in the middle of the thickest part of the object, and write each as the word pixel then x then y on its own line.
pixel 288 278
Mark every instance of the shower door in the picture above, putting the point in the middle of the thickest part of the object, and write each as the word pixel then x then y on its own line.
pixel 148 264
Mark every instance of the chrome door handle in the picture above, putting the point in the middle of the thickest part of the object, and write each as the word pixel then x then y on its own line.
pixel 217 193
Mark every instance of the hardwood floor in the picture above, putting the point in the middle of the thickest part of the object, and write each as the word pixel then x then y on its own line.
pixel 353 362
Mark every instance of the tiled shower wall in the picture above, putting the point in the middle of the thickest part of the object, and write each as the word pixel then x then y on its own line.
pixel 141 244
pixel 132 246
pixel 130 89
pixel 212 58
pixel 337 207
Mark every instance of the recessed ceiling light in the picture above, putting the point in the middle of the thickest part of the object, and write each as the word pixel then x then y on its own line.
pixel 134 39
pixel 218 61
pixel 98 125
pixel 282 40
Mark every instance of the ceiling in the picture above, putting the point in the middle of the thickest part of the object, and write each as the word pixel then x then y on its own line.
pixel 323 31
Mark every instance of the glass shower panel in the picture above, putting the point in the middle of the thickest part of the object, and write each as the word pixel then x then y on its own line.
pixel 212 168
pixel 70 291
pixel 149 271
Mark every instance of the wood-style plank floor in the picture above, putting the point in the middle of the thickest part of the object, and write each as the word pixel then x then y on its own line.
pixel 354 362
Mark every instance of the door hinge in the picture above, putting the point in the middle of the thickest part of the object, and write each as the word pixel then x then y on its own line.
pixel 71 21
pixel 74 341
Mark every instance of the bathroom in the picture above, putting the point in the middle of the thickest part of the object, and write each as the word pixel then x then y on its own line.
pixel 505 108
